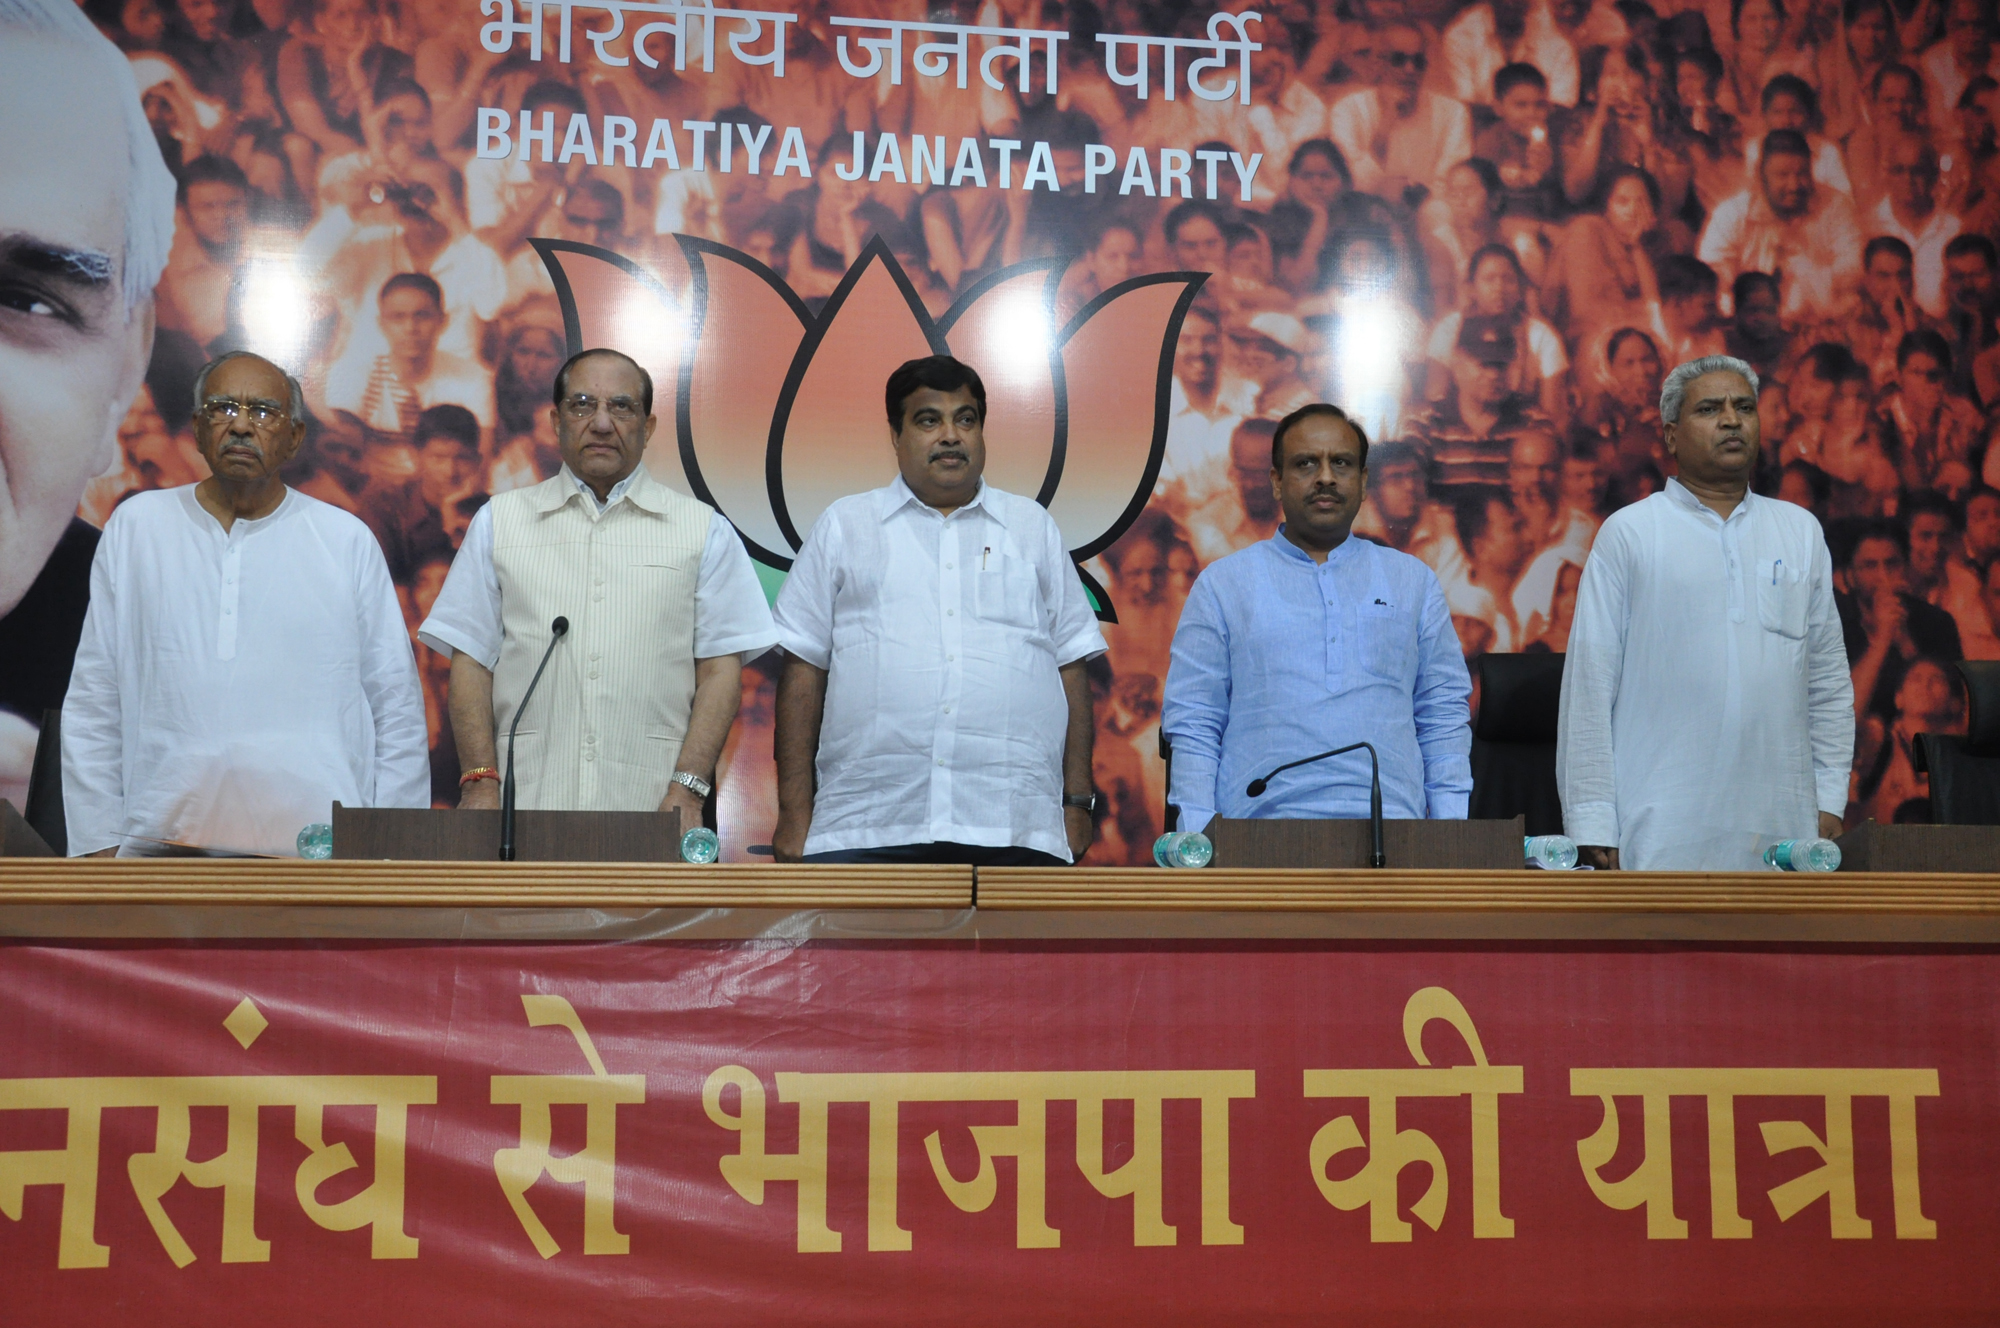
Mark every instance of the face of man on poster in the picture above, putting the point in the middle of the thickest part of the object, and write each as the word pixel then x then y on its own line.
pixel 73 348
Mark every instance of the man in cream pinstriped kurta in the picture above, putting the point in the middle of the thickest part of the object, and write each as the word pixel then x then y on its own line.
pixel 663 608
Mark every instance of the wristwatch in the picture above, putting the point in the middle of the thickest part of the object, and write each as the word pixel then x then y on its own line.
pixel 1083 801
pixel 700 787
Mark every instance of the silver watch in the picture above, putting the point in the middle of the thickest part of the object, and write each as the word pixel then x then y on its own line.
pixel 700 787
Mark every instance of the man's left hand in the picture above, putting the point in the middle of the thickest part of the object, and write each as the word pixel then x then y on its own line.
pixel 1830 826
pixel 1077 828
pixel 681 798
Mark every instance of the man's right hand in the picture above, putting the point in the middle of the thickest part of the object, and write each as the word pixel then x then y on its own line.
pixel 1597 856
pixel 482 795
pixel 788 841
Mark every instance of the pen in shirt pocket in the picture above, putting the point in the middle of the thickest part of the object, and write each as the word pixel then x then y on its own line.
pixel 983 555
pixel 1775 568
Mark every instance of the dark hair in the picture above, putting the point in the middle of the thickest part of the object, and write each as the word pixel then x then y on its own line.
pixel 1681 276
pixel 454 423
pixel 210 169
pixel 1471 511
pixel 1623 335
pixel 1969 99
pixel 1875 529
pixel 551 93
pixel 1306 412
pixel 1817 480
pixel 1496 250
pixel 1622 172
pixel 1898 70
pixel 1398 452
pixel 561 388
pixel 1103 226
pixel 1786 143
pixel 1850 10
pixel 1707 61
pixel 416 281
pixel 1791 85
pixel 1886 244
pixel 1831 362
pixel 1324 147
pixel 392 88
pixel 605 192
pixel 1736 13
pixel 940 373
pixel 1489 176
pixel 1929 500
pixel 1183 213
pixel 1924 341
pixel 1517 75
pixel 1972 242
pixel 1747 283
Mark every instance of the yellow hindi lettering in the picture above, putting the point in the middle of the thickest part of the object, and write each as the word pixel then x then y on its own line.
pixel 233 1170
pixel 1391 1149
pixel 595 1165
pixel 1651 1182
pixel 1025 1141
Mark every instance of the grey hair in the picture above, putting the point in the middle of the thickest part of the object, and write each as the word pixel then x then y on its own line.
pixel 298 401
pixel 1674 390
pixel 149 187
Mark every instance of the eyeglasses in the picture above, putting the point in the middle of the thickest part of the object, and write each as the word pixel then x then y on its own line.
pixel 580 408
pixel 262 414
pixel 1407 60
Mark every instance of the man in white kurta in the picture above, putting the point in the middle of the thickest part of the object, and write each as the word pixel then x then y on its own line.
pixel 233 684
pixel 1706 706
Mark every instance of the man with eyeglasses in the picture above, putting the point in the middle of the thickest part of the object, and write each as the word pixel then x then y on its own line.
pixel 244 662
pixel 1397 137
pixel 664 609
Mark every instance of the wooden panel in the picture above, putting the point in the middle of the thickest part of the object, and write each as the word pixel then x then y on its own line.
pixel 17 838
pixel 261 881
pixel 1873 847
pixel 410 835
pixel 1516 891
pixel 1428 845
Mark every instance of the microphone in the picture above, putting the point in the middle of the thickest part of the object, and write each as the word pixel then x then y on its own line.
pixel 1375 859
pixel 557 629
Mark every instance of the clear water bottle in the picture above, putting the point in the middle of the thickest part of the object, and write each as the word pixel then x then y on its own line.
pixel 316 841
pixel 1550 852
pixel 1183 848
pixel 1803 855
pixel 700 846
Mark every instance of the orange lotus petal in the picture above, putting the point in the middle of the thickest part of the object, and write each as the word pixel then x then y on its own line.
pixel 1005 328
pixel 834 440
pixel 748 327
pixel 616 302
pixel 1118 359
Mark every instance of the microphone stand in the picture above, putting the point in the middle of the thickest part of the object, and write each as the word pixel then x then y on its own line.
pixel 1375 858
pixel 558 629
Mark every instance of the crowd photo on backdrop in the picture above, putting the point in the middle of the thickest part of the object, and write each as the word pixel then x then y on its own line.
pixel 1485 231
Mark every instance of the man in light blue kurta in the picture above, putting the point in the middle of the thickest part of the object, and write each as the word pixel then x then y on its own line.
pixel 1311 640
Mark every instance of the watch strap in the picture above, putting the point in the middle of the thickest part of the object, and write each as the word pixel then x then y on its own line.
pixel 700 787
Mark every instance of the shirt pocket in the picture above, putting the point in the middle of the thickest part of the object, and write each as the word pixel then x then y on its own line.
pixel 1007 591
pixel 1783 598
pixel 1388 640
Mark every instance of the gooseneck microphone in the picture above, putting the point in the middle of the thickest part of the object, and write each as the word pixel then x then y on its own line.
pixel 557 629
pixel 1375 859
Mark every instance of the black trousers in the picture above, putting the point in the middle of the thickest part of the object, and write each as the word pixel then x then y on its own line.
pixel 947 854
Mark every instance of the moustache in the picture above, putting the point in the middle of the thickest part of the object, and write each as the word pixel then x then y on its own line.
pixel 939 454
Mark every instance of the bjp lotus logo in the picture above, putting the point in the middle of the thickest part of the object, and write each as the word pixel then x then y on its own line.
pixel 777 411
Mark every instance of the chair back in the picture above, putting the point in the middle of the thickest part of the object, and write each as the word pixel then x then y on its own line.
pixel 1965 772
pixel 44 811
pixel 1514 741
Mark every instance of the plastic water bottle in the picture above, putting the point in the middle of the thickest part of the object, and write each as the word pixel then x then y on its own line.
pixel 1550 852
pixel 1183 848
pixel 1803 855
pixel 316 841
pixel 700 846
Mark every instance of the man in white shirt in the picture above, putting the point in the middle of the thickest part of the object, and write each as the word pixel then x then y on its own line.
pixel 662 608
pixel 389 391
pixel 1910 212
pixel 1790 227
pixel 1707 710
pixel 244 664
pixel 1486 36
pixel 1398 135
pixel 934 705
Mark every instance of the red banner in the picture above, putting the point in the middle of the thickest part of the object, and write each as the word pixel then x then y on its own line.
pixel 760 1133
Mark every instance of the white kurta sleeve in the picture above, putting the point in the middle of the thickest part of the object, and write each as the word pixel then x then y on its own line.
pixel 1829 690
pixel 1072 625
pixel 466 613
pixel 389 681
pixel 731 615
pixel 803 614
pixel 93 725
pixel 1586 777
